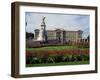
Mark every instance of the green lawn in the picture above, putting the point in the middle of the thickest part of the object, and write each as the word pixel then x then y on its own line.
pixel 58 64
pixel 55 48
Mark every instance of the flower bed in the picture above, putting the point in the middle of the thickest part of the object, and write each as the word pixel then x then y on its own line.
pixel 55 56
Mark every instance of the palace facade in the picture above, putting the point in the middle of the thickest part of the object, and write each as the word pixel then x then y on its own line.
pixel 61 35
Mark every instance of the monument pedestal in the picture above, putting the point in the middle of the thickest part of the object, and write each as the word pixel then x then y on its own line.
pixel 42 32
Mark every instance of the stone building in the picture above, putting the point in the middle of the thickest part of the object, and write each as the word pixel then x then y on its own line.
pixel 61 35
pixel 57 35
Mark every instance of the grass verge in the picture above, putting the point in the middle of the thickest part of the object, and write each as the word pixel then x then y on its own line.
pixel 58 64
pixel 56 48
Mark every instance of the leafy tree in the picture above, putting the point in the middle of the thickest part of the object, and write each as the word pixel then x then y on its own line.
pixel 88 38
pixel 29 35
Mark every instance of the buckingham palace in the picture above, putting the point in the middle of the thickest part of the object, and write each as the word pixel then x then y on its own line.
pixel 56 35
pixel 61 35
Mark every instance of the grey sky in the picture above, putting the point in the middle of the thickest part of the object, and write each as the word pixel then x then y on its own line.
pixel 53 21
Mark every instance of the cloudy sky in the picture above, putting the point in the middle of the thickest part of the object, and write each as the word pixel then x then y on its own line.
pixel 71 22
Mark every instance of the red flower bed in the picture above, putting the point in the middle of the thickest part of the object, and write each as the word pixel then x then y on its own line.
pixel 28 53
pixel 43 53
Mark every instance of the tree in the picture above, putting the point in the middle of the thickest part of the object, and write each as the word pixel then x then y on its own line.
pixel 88 38
pixel 29 35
